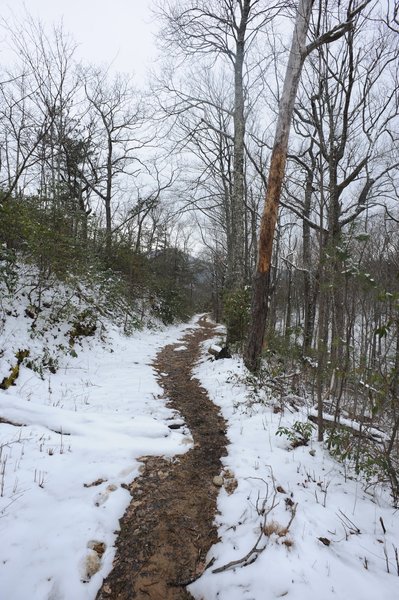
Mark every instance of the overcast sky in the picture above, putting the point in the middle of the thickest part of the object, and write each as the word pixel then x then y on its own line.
pixel 118 31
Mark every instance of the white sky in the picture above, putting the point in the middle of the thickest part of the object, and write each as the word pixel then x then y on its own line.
pixel 107 31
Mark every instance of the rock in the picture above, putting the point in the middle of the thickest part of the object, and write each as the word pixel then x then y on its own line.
pixel 218 481
pixel 214 349
pixel 219 351
pixel 324 541
pixel 30 312
pixel 224 353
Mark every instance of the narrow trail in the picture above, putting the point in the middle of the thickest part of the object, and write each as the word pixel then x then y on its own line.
pixel 168 529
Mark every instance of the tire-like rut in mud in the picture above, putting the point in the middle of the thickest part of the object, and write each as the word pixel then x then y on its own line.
pixel 168 528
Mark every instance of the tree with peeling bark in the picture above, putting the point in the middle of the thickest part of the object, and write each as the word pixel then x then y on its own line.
pixel 298 52
pixel 275 181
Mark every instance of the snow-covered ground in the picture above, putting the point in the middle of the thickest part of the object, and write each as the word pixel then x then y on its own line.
pixel 75 439
pixel 277 483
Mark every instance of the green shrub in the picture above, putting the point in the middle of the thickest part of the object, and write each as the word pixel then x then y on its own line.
pixel 236 308
pixel 298 434
pixel 8 268
pixel 360 452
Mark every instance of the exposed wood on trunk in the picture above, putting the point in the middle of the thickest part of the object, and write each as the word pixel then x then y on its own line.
pixel 298 53
pixel 275 181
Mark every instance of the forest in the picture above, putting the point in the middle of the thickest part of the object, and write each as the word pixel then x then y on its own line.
pixel 165 187
pixel 254 177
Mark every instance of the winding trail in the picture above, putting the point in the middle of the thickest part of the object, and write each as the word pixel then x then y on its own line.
pixel 168 528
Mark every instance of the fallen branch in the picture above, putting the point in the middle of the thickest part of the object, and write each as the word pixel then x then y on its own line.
pixel 16 424
pixel 293 513
pixel 13 423
pixel 354 427
pixel 348 524
pixel 246 560
pixel 254 552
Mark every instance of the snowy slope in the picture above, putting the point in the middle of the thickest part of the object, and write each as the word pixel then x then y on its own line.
pixel 72 441
pixel 275 481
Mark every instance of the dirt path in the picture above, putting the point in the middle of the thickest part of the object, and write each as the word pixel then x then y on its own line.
pixel 168 528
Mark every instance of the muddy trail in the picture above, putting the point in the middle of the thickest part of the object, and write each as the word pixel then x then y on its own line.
pixel 168 529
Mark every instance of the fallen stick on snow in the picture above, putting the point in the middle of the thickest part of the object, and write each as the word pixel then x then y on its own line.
pixel 253 554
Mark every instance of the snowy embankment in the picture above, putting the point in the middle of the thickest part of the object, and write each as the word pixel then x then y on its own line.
pixel 315 533
pixel 69 441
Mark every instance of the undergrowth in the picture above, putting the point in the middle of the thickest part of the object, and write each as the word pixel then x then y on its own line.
pixel 359 448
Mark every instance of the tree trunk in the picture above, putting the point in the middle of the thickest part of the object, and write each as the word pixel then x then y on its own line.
pixel 275 181
pixel 108 198
pixel 235 278
pixel 321 359
pixel 288 312
pixel 309 284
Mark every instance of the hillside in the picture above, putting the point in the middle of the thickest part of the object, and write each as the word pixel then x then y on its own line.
pixel 292 521
pixel 299 524
pixel 81 411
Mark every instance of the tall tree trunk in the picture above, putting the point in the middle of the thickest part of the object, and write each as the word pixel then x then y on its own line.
pixel 288 312
pixel 108 198
pixel 321 359
pixel 236 274
pixel 309 283
pixel 275 181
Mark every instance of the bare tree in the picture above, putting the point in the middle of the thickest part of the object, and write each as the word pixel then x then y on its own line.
pixel 299 51
pixel 22 131
pixel 115 134
pixel 48 82
pixel 276 175
pixel 392 15
pixel 223 30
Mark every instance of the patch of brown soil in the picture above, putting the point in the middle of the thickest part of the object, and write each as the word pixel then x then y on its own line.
pixel 168 528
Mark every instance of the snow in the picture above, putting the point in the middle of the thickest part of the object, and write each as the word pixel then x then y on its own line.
pixel 78 436
pixel 75 442
pixel 354 425
pixel 215 348
pixel 273 478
